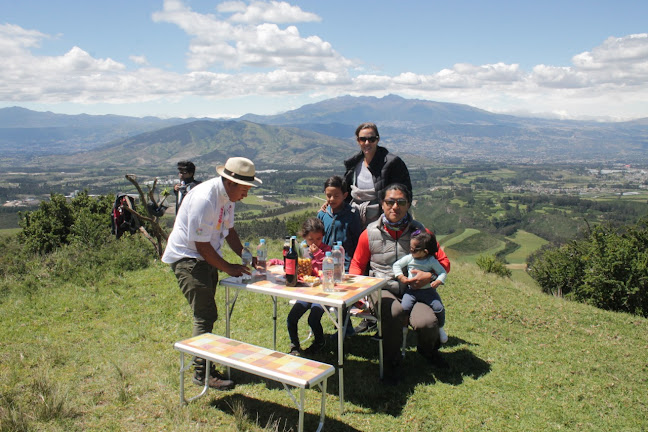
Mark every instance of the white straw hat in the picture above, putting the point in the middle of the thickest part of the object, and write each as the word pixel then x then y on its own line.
pixel 239 170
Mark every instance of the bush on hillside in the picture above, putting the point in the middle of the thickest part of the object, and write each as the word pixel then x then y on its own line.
pixel 58 222
pixel 68 242
pixel 492 264
pixel 77 263
pixel 608 269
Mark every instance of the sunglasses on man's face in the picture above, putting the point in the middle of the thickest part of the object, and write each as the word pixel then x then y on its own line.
pixel 401 202
pixel 371 139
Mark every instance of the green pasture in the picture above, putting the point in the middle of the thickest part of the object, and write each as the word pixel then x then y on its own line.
pixel 100 358
pixel 528 242
pixel 470 244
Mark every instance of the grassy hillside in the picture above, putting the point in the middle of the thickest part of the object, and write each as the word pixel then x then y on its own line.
pixel 100 357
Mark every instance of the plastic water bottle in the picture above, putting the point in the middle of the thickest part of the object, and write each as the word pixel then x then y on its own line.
pixel 246 259
pixel 262 256
pixel 328 271
pixel 338 264
pixel 339 243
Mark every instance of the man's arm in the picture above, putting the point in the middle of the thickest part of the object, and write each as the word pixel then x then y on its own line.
pixel 234 242
pixel 207 251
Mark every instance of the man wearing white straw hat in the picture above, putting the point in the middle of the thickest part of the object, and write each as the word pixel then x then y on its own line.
pixel 204 222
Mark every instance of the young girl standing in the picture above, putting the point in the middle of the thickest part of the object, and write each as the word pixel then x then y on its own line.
pixel 341 221
pixel 313 232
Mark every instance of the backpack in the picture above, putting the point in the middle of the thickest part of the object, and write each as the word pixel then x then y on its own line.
pixel 122 220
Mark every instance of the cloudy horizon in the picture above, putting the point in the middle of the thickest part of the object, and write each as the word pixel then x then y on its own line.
pixel 230 58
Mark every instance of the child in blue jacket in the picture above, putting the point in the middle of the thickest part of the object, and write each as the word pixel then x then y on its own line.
pixel 341 221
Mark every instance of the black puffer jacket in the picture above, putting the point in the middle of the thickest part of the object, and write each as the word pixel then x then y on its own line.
pixel 385 168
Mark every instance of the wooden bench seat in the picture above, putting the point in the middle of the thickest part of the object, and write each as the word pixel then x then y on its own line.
pixel 298 372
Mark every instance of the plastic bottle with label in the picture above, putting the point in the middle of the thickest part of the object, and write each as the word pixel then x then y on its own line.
pixel 262 256
pixel 246 260
pixel 328 270
pixel 338 264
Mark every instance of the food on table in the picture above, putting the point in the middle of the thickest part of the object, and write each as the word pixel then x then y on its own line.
pixel 312 280
pixel 305 268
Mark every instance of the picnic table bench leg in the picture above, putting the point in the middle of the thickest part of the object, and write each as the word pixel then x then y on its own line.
pixel 274 317
pixel 322 386
pixel 183 369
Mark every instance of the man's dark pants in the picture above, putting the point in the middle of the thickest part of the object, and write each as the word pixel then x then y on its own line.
pixel 198 280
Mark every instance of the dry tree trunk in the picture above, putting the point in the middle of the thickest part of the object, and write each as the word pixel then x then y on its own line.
pixel 158 235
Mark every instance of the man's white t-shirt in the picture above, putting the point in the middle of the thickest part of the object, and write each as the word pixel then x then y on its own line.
pixel 206 215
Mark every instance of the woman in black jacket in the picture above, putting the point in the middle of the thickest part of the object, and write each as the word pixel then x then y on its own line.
pixel 371 170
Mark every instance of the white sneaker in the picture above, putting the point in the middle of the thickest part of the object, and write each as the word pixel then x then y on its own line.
pixel 443 336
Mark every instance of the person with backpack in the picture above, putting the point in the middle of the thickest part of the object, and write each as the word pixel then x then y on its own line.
pixel 186 171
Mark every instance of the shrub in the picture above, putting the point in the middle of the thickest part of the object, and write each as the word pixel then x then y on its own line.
pixel 608 269
pixel 58 222
pixel 557 269
pixel 491 264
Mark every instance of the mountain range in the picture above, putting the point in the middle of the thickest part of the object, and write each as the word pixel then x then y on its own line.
pixel 317 134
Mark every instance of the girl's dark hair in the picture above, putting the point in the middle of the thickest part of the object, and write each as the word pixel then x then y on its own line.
pixel 312 224
pixel 336 182
pixel 427 240
pixel 396 186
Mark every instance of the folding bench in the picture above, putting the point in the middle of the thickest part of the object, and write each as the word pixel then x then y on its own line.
pixel 289 370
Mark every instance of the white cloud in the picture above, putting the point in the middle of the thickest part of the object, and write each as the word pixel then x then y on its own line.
pixel 251 38
pixel 140 60
pixel 262 12
pixel 15 39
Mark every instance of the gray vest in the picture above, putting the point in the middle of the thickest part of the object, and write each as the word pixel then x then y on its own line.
pixel 385 251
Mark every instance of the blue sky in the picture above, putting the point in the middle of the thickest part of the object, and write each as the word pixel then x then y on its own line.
pixel 185 58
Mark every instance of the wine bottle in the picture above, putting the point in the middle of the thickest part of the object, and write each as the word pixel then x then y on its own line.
pixel 291 263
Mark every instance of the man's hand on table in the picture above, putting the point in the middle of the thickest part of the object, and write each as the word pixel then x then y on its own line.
pixel 237 270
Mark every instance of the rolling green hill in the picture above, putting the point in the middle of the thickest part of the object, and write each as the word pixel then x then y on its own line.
pixel 211 142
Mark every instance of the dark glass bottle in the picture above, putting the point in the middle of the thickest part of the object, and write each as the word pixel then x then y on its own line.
pixel 291 263
pixel 286 247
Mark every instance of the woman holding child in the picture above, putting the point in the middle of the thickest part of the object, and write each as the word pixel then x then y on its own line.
pixel 384 242
pixel 370 170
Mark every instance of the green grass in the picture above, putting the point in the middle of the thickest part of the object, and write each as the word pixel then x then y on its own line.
pixel 470 244
pixel 100 358
pixel 9 231
pixel 528 242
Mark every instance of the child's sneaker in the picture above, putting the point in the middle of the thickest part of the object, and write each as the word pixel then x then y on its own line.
pixel 315 348
pixel 295 350
pixel 443 336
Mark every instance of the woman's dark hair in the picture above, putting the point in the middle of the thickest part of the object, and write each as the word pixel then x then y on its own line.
pixel 367 126
pixel 399 187
pixel 427 240
pixel 312 224
pixel 336 182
